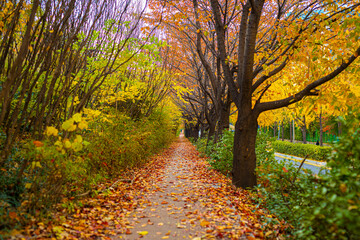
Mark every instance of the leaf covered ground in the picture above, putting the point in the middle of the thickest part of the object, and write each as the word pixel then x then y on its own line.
pixel 175 196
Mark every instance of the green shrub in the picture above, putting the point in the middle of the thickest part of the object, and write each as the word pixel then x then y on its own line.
pixel 264 147
pixel 318 207
pixel 200 144
pixel 120 143
pixel 302 150
pixel 335 212
pixel 221 156
pixel 221 153
pixel 284 190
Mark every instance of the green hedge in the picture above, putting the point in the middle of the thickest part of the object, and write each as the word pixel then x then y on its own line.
pixel 302 150
pixel 220 154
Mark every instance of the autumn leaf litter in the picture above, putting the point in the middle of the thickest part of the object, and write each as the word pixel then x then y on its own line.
pixel 175 196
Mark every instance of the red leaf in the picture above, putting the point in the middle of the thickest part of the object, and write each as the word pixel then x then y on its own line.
pixel 284 169
pixel 38 143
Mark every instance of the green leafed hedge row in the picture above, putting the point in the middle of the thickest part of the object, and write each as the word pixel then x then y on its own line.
pixel 302 150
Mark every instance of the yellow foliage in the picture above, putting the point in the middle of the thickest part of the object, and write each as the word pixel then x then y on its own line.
pixel 51 131
pixel 77 146
pixel 68 125
pixel 83 125
pixel 35 164
pixel 77 117
pixel 67 144
pixel 59 145
pixel 91 114
pixel 78 138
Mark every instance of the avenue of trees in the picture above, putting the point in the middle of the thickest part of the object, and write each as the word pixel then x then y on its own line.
pixel 255 57
pixel 224 59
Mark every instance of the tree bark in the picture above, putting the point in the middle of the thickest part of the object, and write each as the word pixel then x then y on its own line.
pixel 339 128
pixel 244 157
pixel 191 130
pixel 303 130
pixel 282 130
pixel 321 130
pixel 291 132
pixel 211 132
pixel 224 120
pixel 274 129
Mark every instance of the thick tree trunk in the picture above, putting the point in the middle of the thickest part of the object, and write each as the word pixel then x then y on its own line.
pixel 225 117
pixel 191 131
pixel 244 157
pixel 211 132
pixel 224 120
pixel 202 132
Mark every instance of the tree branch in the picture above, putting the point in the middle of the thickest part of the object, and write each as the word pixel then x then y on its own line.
pixel 309 90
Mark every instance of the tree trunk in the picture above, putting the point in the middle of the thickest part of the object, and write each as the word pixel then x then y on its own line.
pixel 278 130
pixel 303 130
pixel 291 132
pixel 321 130
pixel 202 132
pixel 244 157
pixel 211 132
pixel 293 129
pixel 339 129
pixel 274 129
pixel 224 121
pixel 191 130
pixel 282 130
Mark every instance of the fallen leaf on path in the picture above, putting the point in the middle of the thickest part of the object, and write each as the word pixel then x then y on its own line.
pixel 143 233
pixel 180 226
pixel 204 223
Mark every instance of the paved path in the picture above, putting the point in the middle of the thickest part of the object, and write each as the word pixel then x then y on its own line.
pixel 170 208
pixel 315 166
pixel 187 200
